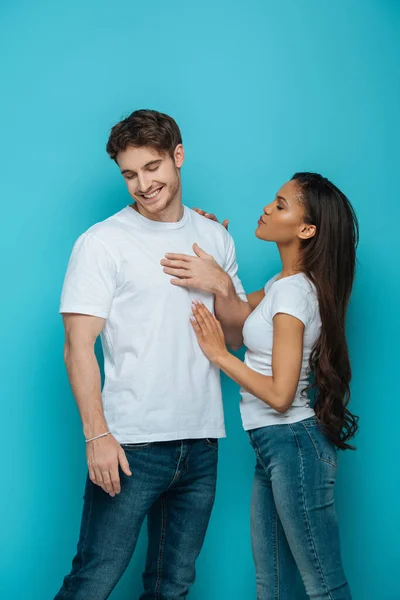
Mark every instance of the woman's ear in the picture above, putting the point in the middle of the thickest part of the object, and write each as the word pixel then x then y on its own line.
pixel 307 231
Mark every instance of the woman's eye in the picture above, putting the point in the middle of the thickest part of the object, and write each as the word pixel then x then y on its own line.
pixel 279 207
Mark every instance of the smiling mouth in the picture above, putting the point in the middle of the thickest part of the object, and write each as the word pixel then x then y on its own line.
pixel 152 195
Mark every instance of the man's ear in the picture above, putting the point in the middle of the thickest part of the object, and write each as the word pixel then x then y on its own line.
pixel 179 156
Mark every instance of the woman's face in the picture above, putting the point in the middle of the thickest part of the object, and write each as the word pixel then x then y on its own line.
pixel 283 220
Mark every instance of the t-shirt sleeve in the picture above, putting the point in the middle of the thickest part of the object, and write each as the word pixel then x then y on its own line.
pixel 231 266
pixel 90 281
pixel 294 300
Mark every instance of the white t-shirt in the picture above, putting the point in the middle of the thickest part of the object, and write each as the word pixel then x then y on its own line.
pixel 296 296
pixel 158 385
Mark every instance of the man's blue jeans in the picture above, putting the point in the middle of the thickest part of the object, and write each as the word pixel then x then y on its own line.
pixel 173 483
pixel 293 519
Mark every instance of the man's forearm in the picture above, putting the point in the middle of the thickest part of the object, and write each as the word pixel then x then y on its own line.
pixel 231 312
pixel 84 376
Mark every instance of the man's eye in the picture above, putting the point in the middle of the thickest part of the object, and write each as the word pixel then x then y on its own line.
pixel 152 169
pixel 129 176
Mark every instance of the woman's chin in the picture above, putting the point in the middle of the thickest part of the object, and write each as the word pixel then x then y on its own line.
pixel 261 234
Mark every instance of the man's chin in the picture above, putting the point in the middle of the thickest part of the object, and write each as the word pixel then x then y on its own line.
pixel 152 207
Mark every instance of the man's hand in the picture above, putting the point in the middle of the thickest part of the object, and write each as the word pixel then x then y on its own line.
pixel 211 216
pixel 104 456
pixel 201 271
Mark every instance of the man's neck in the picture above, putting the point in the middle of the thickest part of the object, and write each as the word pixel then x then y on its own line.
pixel 172 214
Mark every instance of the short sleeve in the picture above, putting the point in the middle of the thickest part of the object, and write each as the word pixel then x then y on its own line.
pixel 231 266
pixel 90 281
pixel 294 300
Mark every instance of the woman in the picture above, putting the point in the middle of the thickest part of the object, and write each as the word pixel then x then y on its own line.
pixel 296 328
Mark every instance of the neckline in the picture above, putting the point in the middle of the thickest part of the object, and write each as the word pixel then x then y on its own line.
pixel 136 217
pixel 300 275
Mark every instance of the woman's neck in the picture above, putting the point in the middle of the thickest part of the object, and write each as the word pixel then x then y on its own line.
pixel 290 260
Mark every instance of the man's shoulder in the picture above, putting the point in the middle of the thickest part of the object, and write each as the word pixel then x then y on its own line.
pixel 108 229
pixel 209 226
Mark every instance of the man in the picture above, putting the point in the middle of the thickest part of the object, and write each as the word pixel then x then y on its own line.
pixel 152 433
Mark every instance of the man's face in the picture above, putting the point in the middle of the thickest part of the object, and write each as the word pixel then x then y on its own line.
pixel 153 179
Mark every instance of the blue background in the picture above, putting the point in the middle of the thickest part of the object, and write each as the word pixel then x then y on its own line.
pixel 260 89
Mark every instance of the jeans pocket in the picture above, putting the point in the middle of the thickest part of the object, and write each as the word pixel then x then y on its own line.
pixel 136 446
pixel 325 449
pixel 212 442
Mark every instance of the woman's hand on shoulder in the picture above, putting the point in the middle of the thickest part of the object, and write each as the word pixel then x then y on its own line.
pixel 211 216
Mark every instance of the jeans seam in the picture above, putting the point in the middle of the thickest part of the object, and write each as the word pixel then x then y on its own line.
pixel 258 453
pixel 176 474
pixel 306 515
pixel 67 589
pixel 186 463
pixel 277 590
pixel 161 547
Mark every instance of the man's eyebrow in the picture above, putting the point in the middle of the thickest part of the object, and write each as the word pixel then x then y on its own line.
pixel 152 162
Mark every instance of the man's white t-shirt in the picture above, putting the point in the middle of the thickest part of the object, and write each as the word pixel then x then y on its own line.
pixel 159 385
pixel 296 296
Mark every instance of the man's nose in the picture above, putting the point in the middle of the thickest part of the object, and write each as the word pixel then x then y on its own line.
pixel 144 184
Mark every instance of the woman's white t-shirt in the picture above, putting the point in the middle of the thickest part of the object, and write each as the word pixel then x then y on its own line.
pixel 296 296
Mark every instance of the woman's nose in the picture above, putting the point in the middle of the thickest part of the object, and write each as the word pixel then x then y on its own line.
pixel 267 209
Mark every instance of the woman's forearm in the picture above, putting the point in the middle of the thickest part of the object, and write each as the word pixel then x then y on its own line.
pixel 263 387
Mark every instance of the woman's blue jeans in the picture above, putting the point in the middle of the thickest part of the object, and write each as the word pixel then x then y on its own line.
pixel 293 518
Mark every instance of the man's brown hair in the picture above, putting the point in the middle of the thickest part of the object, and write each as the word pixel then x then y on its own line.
pixel 145 128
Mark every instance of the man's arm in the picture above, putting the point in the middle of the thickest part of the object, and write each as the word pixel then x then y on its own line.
pixel 228 306
pixel 255 298
pixel 231 311
pixel 104 454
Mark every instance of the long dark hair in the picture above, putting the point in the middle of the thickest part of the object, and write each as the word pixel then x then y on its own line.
pixel 328 259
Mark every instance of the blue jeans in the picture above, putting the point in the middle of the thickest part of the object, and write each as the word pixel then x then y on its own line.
pixel 173 484
pixel 293 519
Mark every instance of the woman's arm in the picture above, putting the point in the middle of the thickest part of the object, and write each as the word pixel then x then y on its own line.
pixel 278 390
pixel 255 298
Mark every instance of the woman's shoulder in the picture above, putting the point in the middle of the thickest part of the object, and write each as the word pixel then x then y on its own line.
pixel 298 282
pixel 270 283
pixel 294 295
